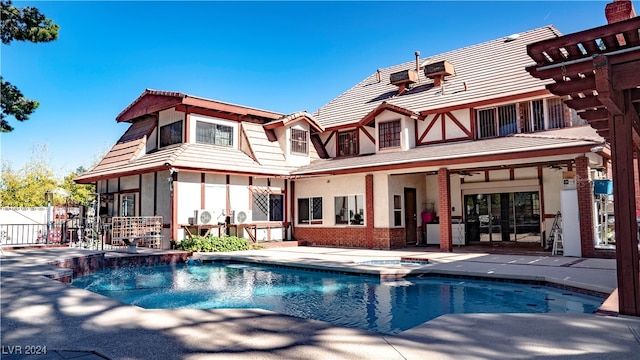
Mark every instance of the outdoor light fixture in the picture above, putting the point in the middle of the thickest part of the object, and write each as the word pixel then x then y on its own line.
pixel 48 196
pixel 597 148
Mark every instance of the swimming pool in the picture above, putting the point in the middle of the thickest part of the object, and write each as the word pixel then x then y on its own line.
pixel 363 302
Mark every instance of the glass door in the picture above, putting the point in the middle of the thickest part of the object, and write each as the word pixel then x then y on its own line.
pixel 503 217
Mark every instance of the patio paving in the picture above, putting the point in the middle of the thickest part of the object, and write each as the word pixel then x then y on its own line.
pixel 74 323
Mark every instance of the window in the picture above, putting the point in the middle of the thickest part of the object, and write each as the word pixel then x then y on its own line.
pixel 555 109
pixel 349 210
pixel 348 143
pixel 533 115
pixel 310 210
pixel 500 121
pixel 389 134
pixel 546 114
pixel 216 134
pixel 128 204
pixel 268 207
pixel 397 210
pixel 171 134
pixel 299 141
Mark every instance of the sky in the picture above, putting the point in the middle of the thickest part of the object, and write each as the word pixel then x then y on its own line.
pixel 278 56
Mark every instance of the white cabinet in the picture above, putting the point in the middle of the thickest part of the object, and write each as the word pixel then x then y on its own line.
pixel 457 234
pixel 433 234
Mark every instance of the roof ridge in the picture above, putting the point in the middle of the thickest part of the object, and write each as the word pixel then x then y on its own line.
pixel 177 153
pixel 367 80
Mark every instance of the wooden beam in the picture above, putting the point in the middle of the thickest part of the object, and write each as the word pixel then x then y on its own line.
pixel 627 266
pixel 589 102
pixel 626 76
pixel 607 95
pixel 580 37
pixel 585 86
pixel 593 115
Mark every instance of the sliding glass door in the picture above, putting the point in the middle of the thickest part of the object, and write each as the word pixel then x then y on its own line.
pixel 503 217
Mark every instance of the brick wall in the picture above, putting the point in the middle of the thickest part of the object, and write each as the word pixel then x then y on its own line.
pixel 369 211
pixel 444 210
pixel 619 10
pixel 389 238
pixel 585 207
pixel 352 237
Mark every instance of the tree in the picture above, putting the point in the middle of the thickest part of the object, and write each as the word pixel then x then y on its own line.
pixel 77 193
pixel 26 24
pixel 26 187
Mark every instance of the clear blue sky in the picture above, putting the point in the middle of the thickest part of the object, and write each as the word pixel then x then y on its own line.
pixel 279 56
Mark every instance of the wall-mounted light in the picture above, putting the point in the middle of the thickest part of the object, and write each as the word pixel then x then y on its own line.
pixel 48 196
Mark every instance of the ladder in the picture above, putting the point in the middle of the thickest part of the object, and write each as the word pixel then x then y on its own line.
pixel 555 237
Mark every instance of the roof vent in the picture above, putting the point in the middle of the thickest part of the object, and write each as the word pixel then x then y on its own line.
pixel 438 70
pixel 511 37
pixel 403 79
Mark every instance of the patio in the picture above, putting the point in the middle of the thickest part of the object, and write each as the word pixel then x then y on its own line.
pixel 38 311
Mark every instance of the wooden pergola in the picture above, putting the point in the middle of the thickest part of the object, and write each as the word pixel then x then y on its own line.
pixel 599 69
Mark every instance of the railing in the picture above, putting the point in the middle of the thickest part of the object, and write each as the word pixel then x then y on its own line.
pixel 26 234
pixel 127 230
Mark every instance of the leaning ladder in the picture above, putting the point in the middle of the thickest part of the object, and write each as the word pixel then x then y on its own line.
pixel 555 237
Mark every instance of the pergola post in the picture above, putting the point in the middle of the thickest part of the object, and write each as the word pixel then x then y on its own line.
pixel 628 269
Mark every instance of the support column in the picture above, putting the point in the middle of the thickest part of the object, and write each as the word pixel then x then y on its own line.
pixel 369 210
pixel 444 209
pixel 585 207
pixel 624 209
pixel 174 206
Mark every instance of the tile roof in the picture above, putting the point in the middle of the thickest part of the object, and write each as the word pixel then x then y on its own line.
pixel 173 98
pixel 296 116
pixel 489 70
pixel 127 156
pixel 130 145
pixel 582 136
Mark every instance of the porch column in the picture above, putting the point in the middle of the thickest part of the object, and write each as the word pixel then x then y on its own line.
pixel 444 209
pixel 174 206
pixel 585 207
pixel 369 209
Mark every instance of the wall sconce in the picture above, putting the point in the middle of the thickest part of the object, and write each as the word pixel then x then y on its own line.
pixel 48 196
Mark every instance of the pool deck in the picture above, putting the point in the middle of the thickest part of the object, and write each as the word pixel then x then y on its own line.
pixel 74 323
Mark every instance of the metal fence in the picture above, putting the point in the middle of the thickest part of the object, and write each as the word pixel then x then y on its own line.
pixel 25 234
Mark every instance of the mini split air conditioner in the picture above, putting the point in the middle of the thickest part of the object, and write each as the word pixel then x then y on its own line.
pixel 205 217
pixel 241 216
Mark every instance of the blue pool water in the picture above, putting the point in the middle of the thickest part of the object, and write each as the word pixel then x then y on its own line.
pixel 362 302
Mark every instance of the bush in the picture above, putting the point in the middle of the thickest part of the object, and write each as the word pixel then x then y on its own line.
pixel 213 244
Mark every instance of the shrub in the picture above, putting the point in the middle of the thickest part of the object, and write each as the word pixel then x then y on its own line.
pixel 213 244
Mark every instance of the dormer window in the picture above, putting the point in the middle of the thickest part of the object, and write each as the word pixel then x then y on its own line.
pixel 299 141
pixel 215 134
pixel 389 134
pixel 348 143
pixel 171 134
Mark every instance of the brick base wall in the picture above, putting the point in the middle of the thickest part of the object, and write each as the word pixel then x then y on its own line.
pixel 340 237
pixel 389 238
pixel 383 238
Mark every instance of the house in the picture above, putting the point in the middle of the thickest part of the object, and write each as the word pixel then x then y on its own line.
pixel 464 147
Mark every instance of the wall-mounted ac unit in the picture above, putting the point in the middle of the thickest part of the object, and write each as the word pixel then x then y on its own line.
pixel 205 217
pixel 241 216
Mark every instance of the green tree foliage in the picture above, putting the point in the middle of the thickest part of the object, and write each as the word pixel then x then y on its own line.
pixel 26 24
pixel 26 187
pixel 77 193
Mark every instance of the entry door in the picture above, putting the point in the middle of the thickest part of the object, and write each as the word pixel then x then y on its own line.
pixel 410 216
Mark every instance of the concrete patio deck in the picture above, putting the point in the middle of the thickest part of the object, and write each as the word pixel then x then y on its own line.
pixel 74 323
